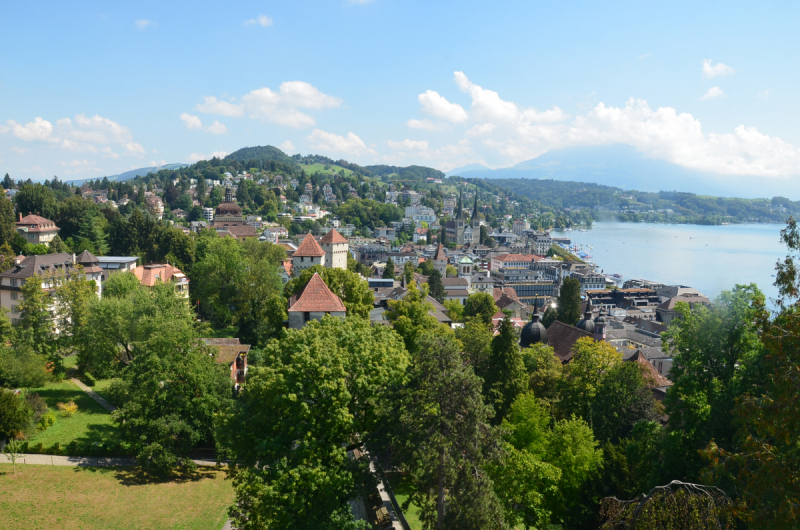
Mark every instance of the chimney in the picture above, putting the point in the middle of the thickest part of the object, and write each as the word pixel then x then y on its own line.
pixel 20 216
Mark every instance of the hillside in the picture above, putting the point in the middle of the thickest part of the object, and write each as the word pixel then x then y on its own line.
pixel 261 153
pixel 622 166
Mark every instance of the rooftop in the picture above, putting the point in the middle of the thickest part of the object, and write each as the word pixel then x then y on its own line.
pixel 309 247
pixel 316 297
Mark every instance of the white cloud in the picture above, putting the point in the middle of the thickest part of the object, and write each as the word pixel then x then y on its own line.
pixel 261 20
pixel 192 122
pixel 713 92
pixel 20 150
pixel 710 70
pixel 426 125
pixel 333 143
pixel 158 163
pixel 275 106
pixel 38 130
pixel 287 147
pixel 144 24
pixel 505 133
pixel 217 128
pixel 196 157
pixel 437 106
pixel 405 145
pixel 645 55
pixel 135 149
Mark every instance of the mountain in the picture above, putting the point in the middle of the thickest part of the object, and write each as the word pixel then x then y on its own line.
pixel 621 165
pixel 261 152
pixel 468 167
pixel 133 173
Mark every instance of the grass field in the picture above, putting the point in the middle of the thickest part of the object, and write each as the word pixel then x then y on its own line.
pixel 313 168
pixel 70 498
pixel 92 423
pixel 401 491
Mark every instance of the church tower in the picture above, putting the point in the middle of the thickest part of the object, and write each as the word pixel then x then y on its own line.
pixel 461 219
pixel 476 219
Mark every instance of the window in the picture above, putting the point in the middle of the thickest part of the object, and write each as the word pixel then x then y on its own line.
pixel 306 316
pixel 15 321
pixel 14 296
pixel 15 309
pixel 13 282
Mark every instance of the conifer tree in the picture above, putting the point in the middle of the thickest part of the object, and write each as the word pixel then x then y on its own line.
pixel 388 272
pixel 436 286
pixel 505 374
pixel 569 302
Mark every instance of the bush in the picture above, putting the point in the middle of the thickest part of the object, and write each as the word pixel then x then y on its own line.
pixel 89 379
pixel 15 414
pixel 68 409
pixel 117 393
pixel 22 367
pixel 47 419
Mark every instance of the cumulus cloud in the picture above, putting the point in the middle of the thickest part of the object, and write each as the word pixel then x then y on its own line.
pixel 413 145
pixel 192 122
pixel 84 134
pixel 279 106
pixel 506 133
pixel 217 128
pixel 287 147
pixel 713 92
pixel 710 70
pixel 261 20
pixel 196 157
pixel 333 143
pixel 426 125
pixel 437 106
pixel 144 24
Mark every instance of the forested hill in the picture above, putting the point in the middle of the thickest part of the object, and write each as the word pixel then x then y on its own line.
pixel 663 206
pixel 407 173
pixel 261 153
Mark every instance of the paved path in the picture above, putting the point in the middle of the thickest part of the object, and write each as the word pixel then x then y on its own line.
pixel 91 461
pixel 92 394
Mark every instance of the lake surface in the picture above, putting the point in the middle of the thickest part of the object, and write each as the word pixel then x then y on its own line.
pixel 709 258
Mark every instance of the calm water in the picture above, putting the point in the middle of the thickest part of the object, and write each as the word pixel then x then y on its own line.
pixel 709 258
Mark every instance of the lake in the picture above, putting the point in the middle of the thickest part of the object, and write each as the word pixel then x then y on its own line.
pixel 709 258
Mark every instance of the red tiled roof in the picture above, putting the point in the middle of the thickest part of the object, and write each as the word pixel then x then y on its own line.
pixel 309 247
pixel 499 292
pixel 317 298
pixel 440 255
pixel 148 275
pixel 517 257
pixel 333 237
pixel 287 266
pixel 40 224
pixel 651 375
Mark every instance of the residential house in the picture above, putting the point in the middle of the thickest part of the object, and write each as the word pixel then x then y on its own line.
pixel 148 275
pixel 232 353
pixel 37 230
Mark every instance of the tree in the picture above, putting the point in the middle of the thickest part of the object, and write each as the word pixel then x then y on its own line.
pixel 410 315
pixel 8 227
pixel 447 441
pixel 219 278
pixel 717 358
pixel 505 372
pixel 569 302
pixel 8 183
pixel 13 451
pixel 455 310
pixel 71 300
pixel 14 414
pixel 388 271
pixel 408 272
pixel 36 199
pixel 623 399
pixel 550 316
pixel 349 287
pixel 328 381
pixel 174 389
pixel 34 308
pixel 57 246
pixel 480 306
pixel 436 286
pixel 583 375
pixel 451 272
pixel 261 308
pixel 476 340
pixel 21 366
pixel 544 370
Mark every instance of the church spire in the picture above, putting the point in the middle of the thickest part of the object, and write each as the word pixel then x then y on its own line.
pixel 461 204
pixel 475 216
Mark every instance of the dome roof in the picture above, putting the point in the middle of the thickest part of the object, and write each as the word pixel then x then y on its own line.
pixel 587 324
pixel 229 208
pixel 533 332
pixel 601 319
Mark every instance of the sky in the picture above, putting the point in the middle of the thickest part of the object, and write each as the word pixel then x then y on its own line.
pixel 96 88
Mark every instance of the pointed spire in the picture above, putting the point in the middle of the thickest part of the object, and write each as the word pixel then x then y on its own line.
pixel 588 313
pixel 475 210
pixel 461 203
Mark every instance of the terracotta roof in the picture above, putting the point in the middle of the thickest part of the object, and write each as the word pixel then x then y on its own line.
pixel 440 255
pixel 517 257
pixel 241 231
pixel 506 301
pixel 498 292
pixel 148 275
pixel 317 298
pixel 333 237
pixel 40 224
pixel 561 337
pixel 309 247
pixel 86 258
pixel 651 375
pixel 287 266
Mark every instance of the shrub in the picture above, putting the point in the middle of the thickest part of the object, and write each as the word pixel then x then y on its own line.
pixel 15 414
pixel 47 419
pixel 68 409
pixel 89 379
pixel 37 405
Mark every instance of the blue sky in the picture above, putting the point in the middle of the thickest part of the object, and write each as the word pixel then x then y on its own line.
pixel 95 88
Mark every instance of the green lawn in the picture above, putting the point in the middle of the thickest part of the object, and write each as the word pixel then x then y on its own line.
pixel 313 168
pixel 71 498
pixel 90 425
pixel 70 362
pixel 401 490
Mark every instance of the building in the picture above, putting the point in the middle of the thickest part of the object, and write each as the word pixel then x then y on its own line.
pixel 465 267
pixel 458 231
pixel 232 353
pixel 37 230
pixel 228 220
pixel 308 254
pixel 148 275
pixel 520 225
pixel 57 265
pixel 542 244
pixel 336 249
pixel 440 260
pixel 208 214
pixel 314 302
pixel 114 264
pixel 590 281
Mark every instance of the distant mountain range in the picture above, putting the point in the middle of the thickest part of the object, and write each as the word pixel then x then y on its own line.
pixel 621 165
pixel 133 173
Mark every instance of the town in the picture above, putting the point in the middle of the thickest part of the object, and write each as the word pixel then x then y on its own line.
pixel 238 265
